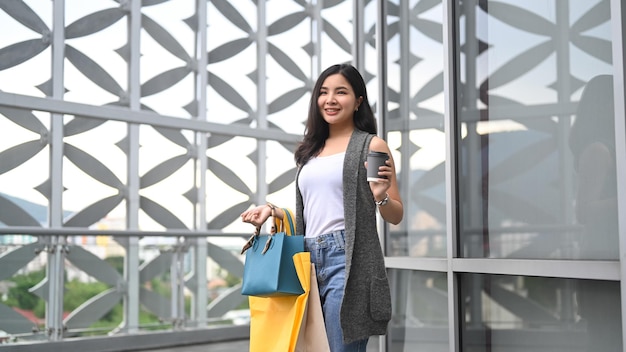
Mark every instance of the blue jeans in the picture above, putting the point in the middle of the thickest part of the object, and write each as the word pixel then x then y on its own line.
pixel 329 257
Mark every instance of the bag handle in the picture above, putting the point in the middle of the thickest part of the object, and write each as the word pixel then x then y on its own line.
pixel 291 231
pixel 288 215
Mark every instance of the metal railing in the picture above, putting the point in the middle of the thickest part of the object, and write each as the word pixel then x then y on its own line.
pixel 165 283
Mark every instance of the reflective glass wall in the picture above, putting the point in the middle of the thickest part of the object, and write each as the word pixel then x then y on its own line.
pixel 537 174
pixel 509 117
pixel 537 171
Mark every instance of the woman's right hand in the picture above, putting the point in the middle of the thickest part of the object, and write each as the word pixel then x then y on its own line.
pixel 257 216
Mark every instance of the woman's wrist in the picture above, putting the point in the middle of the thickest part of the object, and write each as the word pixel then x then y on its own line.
pixel 392 211
pixel 383 201
pixel 275 211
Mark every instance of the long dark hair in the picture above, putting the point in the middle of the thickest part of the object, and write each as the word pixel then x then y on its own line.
pixel 316 130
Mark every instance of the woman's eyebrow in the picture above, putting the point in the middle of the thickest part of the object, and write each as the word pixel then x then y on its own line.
pixel 336 88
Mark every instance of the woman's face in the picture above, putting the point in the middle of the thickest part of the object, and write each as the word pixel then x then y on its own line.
pixel 337 101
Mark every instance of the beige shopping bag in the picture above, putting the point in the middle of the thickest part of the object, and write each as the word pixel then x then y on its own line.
pixel 312 336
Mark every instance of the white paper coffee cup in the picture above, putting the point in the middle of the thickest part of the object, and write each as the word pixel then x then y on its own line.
pixel 374 161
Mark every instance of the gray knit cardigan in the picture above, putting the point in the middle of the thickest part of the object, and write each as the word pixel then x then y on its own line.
pixel 366 306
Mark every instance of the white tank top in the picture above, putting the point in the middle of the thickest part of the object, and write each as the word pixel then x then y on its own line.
pixel 321 185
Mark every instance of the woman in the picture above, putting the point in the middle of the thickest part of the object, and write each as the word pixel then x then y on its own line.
pixel 592 143
pixel 336 208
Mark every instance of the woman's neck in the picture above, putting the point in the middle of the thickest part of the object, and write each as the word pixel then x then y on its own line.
pixel 336 142
pixel 340 131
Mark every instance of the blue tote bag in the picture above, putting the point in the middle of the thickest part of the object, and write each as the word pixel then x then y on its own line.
pixel 269 270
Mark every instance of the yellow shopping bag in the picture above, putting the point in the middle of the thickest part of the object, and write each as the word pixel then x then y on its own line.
pixel 275 321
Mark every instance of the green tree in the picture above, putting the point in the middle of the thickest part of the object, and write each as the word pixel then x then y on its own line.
pixel 117 262
pixel 18 296
pixel 77 292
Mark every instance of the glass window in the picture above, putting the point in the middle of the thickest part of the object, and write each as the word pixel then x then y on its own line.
pixel 537 152
pixel 518 313
pixel 415 127
pixel 420 311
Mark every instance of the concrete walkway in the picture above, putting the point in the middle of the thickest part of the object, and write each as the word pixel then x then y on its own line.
pixel 238 346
